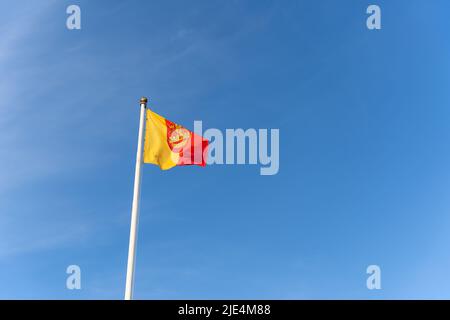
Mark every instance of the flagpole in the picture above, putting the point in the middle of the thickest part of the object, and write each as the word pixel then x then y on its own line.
pixel 135 208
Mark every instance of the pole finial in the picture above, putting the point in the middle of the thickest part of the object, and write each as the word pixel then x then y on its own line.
pixel 144 100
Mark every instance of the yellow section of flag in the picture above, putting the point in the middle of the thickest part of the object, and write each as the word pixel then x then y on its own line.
pixel 156 148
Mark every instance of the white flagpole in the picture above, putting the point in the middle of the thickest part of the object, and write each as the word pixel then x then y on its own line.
pixel 135 208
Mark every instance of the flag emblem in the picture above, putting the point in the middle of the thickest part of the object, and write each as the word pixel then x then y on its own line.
pixel 177 136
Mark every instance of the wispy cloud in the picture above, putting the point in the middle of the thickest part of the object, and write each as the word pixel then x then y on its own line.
pixel 48 235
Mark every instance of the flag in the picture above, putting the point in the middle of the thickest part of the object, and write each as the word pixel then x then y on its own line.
pixel 168 144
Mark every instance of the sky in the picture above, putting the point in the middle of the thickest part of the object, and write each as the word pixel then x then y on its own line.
pixel 364 174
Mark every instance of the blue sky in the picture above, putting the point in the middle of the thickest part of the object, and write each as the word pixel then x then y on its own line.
pixel 364 155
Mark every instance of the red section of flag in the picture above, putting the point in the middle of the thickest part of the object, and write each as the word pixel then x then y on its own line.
pixel 191 147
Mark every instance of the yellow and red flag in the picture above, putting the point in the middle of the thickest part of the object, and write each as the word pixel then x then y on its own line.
pixel 168 144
